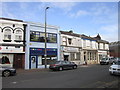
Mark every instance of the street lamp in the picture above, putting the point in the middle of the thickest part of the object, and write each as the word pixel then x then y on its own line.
pixel 45 39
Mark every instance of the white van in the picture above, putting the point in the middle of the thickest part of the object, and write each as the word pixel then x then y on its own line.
pixel 107 60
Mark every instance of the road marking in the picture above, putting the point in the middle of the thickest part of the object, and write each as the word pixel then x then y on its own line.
pixel 14 82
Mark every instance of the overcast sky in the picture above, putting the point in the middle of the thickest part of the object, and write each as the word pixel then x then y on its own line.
pixel 89 18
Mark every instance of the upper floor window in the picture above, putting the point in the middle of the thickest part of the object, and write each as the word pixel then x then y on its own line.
pixel 84 43
pixel 91 46
pixel 52 38
pixel 18 35
pixel 40 37
pixel 34 36
pixel 7 34
pixel 98 46
pixel 70 41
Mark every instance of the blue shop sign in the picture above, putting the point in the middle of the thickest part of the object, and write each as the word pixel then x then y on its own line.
pixel 40 51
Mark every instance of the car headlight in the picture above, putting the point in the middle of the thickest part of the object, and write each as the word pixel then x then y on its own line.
pixel 110 67
pixel 12 69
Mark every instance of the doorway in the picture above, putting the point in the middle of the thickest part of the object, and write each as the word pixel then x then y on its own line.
pixel 17 63
pixel 66 57
pixel 33 62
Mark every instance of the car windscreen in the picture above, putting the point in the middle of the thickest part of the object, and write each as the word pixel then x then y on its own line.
pixel 56 62
pixel 118 63
pixel 104 58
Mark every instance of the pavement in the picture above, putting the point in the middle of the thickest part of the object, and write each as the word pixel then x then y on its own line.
pixel 43 69
pixel 32 70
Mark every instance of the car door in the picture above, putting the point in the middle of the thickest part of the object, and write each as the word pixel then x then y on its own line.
pixel 65 65
pixel 68 65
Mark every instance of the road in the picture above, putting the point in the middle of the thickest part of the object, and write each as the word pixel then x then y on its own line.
pixel 91 76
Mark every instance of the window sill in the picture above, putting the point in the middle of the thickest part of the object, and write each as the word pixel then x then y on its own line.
pixel 18 40
pixel 7 40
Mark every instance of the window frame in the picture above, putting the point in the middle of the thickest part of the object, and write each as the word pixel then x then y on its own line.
pixel 8 34
pixel 39 36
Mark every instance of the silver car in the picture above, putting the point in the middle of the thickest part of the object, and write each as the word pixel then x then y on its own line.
pixel 115 68
pixel 7 71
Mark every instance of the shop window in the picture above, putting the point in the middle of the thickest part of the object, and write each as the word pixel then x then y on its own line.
pixel 70 41
pixel 78 56
pixel 7 34
pixel 88 54
pixel 72 56
pixel 50 59
pixel 18 35
pixel 5 60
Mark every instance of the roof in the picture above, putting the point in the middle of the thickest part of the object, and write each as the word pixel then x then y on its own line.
pixel 115 43
pixel 70 33
pixel 98 38
pixel 102 41
pixel 87 37
pixel 11 19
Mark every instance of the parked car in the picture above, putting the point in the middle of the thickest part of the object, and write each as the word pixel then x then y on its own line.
pixel 107 60
pixel 7 71
pixel 61 65
pixel 116 59
pixel 115 68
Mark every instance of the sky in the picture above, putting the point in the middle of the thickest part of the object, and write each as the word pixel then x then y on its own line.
pixel 89 18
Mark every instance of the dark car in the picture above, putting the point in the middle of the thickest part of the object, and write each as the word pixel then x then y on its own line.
pixel 61 65
pixel 7 71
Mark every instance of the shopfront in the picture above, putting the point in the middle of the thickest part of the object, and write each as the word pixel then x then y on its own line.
pixel 37 59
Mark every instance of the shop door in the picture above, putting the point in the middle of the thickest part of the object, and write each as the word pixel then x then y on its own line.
pixel 17 61
pixel 33 62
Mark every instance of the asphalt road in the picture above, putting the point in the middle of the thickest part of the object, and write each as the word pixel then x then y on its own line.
pixel 91 76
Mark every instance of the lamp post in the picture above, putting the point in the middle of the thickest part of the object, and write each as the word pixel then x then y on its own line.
pixel 45 39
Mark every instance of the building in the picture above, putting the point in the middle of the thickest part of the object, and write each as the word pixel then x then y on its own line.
pixel 94 48
pixel 12 42
pixel 82 49
pixel 89 49
pixel 70 46
pixel 103 47
pixel 115 49
pixel 35 45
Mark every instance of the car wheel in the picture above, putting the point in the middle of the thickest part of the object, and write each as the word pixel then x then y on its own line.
pixel 107 63
pixel 111 73
pixel 6 73
pixel 74 67
pixel 60 68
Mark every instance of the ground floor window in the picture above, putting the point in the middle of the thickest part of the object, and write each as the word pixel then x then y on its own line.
pixel 77 56
pixel 91 55
pixel 4 60
pixel 72 56
pixel 50 59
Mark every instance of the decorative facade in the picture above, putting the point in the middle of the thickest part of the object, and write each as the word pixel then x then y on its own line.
pixel 12 42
